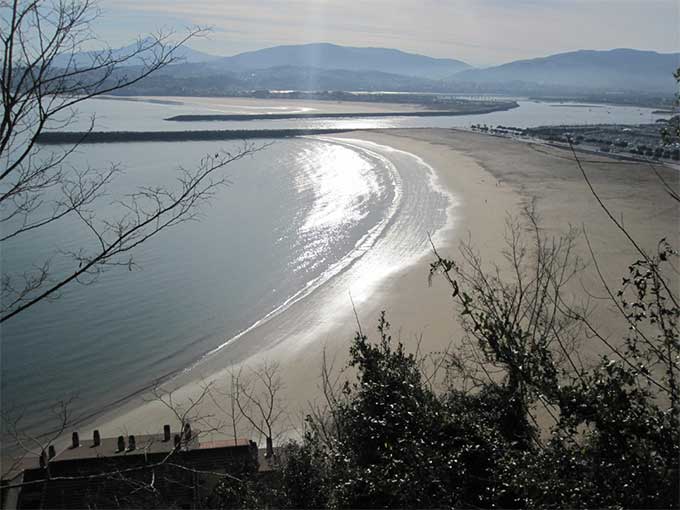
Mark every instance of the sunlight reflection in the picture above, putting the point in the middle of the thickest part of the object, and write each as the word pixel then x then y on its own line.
pixel 344 184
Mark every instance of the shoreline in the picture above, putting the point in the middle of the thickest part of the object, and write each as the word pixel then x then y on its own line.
pixel 193 375
pixel 479 170
pixel 294 353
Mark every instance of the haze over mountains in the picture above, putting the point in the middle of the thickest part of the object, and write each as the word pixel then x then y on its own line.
pixel 331 56
pixel 183 53
pixel 622 69
pixel 331 67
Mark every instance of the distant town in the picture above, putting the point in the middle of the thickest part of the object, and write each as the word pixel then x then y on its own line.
pixel 642 141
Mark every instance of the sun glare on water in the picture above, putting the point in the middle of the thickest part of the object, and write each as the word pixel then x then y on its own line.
pixel 343 183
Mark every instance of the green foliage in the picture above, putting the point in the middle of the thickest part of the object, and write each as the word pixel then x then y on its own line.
pixel 303 476
pixel 243 489
pixel 537 429
pixel 397 440
pixel 399 444
pixel 615 438
pixel 245 493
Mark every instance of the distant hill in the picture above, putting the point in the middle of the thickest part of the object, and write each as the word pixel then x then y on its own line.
pixel 313 78
pixel 620 69
pixel 198 80
pixel 183 53
pixel 322 66
pixel 331 56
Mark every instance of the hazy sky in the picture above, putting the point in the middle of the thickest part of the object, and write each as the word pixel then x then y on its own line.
pixel 481 32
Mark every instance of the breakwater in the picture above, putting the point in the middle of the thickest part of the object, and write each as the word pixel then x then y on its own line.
pixel 74 137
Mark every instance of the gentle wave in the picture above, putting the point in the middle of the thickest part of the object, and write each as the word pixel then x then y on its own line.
pixel 434 182
pixel 377 233
pixel 346 190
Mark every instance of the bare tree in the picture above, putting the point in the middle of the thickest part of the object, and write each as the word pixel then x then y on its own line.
pixel 45 75
pixel 648 302
pixel 28 447
pixel 189 411
pixel 323 418
pixel 257 395
pixel 232 411
pixel 520 327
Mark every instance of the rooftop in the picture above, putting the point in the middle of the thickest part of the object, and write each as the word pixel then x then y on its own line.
pixel 108 447
pixel 144 445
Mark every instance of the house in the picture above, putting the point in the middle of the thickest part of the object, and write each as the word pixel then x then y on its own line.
pixel 166 469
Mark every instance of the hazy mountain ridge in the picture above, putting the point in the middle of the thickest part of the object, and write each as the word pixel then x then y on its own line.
pixel 331 56
pixel 331 67
pixel 183 54
pixel 619 69
pixel 193 80
pixel 313 78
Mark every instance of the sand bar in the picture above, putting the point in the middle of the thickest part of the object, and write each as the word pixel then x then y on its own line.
pixel 252 105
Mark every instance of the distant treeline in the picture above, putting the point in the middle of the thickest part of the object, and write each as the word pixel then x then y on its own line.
pixel 56 138
pixel 280 116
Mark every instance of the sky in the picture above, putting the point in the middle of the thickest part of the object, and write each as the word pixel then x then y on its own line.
pixel 480 32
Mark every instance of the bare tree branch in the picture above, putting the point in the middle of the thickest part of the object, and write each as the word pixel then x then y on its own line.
pixel 45 75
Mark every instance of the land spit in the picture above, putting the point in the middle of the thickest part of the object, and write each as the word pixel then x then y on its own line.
pixel 500 107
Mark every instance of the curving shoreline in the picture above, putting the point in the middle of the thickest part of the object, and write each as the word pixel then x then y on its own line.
pixel 296 320
pixel 493 177
pixel 186 374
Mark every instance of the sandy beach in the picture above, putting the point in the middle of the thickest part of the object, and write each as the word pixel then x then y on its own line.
pixel 491 178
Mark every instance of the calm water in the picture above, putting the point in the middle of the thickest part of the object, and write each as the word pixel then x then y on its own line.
pixel 143 116
pixel 296 217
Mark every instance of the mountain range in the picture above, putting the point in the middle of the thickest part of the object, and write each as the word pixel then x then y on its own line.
pixel 623 69
pixel 331 56
pixel 183 54
pixel 326 66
